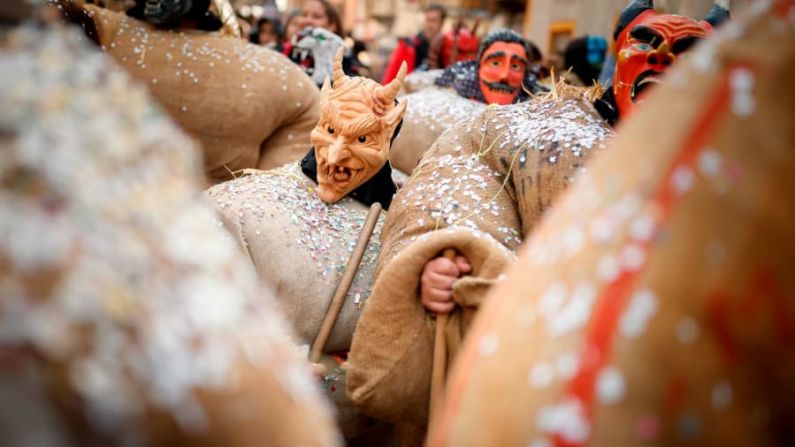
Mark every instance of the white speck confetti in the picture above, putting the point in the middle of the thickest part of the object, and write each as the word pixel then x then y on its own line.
pixel 687 330
pixel 634 320
pixel 709 162
pixel 682 179
pixel 722 395
pixel 540 375
pixel 489 344
pixel 608 268
pixel 610 386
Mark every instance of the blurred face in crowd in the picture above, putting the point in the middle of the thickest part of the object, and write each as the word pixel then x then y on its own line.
pixel 314 14
pixel 292 26
pixel 433 22
pixel 502 70
pixel 267 35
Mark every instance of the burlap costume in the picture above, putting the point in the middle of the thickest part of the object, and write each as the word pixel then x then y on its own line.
pixel 125 318
pixel 248 106
pixel 482 185
pixel 301 246
pixel 430 112
pixel 655 305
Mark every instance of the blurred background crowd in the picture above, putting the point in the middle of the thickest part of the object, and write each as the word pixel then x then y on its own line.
pixel 567 34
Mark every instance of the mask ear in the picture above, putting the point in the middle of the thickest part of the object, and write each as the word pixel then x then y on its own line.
pixel 395 115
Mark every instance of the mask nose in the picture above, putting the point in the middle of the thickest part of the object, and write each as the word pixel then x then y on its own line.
pixel 337 152
pixel 661 58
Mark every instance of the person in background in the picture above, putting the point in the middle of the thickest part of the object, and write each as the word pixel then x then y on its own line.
pixel 435 16
pixel 320 35
pixel 585 56
pixel 291 25
pixel 268 33
pixel 320 14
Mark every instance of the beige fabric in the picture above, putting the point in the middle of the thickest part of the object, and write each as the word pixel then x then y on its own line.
pixel 429 113
pixel 126 319
pixel 483 185
pixel 300 246
pixel 655 304
pixel 248 106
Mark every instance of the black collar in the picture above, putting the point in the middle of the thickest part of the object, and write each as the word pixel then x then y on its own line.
pixel 380 188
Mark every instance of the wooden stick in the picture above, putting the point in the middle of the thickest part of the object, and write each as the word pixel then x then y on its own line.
pixel 439 368
pixel 345 284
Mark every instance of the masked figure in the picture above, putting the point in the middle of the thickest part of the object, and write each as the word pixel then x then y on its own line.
pixel 671 321
pixel 480 190
pixel 501 74
pixel 127 319
pixel 314 51
pixel 248 106
pixel 647 44
pixel 298 223
pixel 456 45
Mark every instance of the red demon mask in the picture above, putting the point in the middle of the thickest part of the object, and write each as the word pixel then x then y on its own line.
pixel 647 44
pixel 459 46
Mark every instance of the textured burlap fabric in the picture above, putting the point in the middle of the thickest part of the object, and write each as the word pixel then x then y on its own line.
pixel 125 318
pixel 248 106
pixel 482 185
pixel 656 304
pixel 301 246
pixel 430 112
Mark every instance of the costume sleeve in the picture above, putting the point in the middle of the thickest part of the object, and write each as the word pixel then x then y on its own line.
pixel 482 186
pixel 456 198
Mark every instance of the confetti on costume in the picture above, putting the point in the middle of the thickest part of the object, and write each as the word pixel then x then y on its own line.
pixel 481 187
pixel 671 320
pixel 248 106
pixel 300 234
pixel 125 318
pixel 438 100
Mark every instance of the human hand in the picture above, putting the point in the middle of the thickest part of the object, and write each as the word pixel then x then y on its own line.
pixel 436 283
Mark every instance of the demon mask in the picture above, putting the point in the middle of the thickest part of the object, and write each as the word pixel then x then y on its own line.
pixel 502 66
pixel 357 119
pixel 648 43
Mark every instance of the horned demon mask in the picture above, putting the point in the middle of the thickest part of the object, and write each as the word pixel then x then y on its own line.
pixel 648 43
pixel 357 119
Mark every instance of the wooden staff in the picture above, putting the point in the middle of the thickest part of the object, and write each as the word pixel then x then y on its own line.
pixel 439 368
pixel 345 284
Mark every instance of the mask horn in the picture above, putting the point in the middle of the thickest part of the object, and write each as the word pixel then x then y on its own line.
pixel 390 91
pixel 339 75
pixel 719 13
pixel 630 13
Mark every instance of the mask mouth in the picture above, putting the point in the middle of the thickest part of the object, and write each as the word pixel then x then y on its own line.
pixel 643 82
pixel 341 176
pixel 500 87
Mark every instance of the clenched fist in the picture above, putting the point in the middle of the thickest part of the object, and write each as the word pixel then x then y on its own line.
pixel 436 284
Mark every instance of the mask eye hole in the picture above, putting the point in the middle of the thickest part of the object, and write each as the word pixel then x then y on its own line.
pixel 330 130
pixel 362 139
